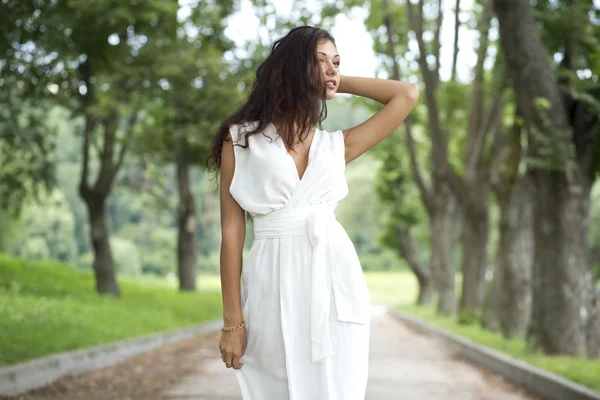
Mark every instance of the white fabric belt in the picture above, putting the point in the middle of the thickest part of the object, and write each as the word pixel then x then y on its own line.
pixel 316 222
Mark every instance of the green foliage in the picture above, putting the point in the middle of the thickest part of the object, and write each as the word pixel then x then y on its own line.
pixel 197 87
pixel 35 248
pixel 48 230
pixel 26 145
pixel 8 231
pixel 380 259
pixel 467 317
pixel 156 246
pixel 140 210
pixel 571 31
pixel 395 186
pixel 581 370
pixel 397 191
pixel 211 263
pixel 363 224
pixel 126 255
pixel 50 307
pixel 396 12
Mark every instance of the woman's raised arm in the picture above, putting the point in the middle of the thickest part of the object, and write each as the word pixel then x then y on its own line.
pixel 399 98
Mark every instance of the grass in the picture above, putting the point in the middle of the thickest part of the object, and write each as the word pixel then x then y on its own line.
pixel 397 287
pixel 49 307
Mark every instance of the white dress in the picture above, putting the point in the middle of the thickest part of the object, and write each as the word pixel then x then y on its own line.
pixel 305 301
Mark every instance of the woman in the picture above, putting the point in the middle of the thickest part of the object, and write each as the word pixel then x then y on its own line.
pixel 296 315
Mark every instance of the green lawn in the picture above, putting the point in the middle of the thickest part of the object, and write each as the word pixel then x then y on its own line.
pixel 392 287
pixel 49 307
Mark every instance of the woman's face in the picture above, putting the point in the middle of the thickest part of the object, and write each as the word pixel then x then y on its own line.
pixel 329 60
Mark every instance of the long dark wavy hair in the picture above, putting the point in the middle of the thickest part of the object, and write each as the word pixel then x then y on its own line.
pixel 288 91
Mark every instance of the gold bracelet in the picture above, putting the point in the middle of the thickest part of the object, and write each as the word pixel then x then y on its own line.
pixel 233 328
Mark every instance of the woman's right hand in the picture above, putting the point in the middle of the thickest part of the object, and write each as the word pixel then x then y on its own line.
pixel 233 346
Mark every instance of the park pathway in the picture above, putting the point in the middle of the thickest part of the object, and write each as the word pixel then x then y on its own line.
pixel 404 365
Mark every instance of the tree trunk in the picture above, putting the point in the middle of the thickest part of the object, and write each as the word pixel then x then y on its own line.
pixel 445 228
pixel 515 258
pixel 593 332
pixel 426 291
pixel 440 201
pixel 104 268
pixel 423 273
pixel 474 247
pixel 560 269
pixel 559 285
pixel 490 318
pixel 186 239
pixel 405 244
pixel 110 161
pixel 474 188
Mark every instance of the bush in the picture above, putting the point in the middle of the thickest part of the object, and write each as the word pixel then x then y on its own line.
pixel 468 317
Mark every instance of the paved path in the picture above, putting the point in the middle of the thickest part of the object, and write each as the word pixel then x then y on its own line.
pixel 403 365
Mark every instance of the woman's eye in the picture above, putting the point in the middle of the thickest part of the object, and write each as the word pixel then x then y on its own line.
pixel 337 64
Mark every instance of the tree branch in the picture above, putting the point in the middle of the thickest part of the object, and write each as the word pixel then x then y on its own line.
pixel 456 30
pixel 407 250
pixel 416 24
pixel 85 74
pixel 493 114
pixel 477 94
pixel 132 120
pixel 387 21
pixel 439 141
pixel 532 77
pixel 505 151
pixel 436 41
pixel 424 191
pixel 459 186
pixel 104 180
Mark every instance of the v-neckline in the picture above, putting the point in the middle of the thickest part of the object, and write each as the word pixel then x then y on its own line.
pixel 289 156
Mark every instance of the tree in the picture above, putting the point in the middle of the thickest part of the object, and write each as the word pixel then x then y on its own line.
pixel 395 188
pixel 473 186
pixel 561 168
pixel 93 57
pixel 467 183
pixel 435 193
pixel 197 90
pixel 438 197
pixel 508 299
pixel 401 219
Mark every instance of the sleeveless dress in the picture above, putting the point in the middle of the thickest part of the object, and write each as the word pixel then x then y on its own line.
pixel 305 301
